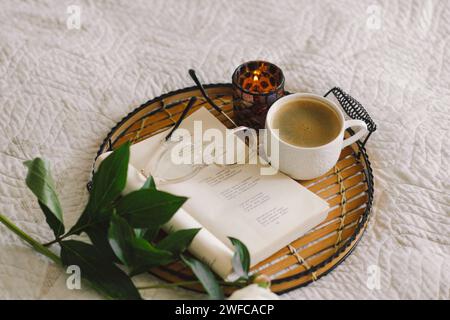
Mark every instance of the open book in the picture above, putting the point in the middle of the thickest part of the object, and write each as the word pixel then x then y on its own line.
pixel 265 212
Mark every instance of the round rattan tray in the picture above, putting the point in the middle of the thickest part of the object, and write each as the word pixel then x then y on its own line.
pixel 348 188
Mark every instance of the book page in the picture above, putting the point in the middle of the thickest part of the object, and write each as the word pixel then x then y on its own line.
pixel 264 212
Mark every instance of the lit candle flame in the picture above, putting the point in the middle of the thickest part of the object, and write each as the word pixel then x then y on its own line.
pixel 255 78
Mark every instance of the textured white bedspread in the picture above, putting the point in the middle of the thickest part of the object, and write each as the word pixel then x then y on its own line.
pixel 61 90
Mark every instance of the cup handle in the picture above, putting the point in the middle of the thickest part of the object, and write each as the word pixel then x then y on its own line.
pixel 358 134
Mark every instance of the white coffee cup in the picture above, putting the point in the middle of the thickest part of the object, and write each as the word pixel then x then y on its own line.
pixel 304 163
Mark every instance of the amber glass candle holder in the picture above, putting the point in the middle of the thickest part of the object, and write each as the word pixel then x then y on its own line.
pixel 256 86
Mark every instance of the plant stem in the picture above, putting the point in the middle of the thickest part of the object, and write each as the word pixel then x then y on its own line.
pixel 35 244
pixel 72 232
pixel 47 244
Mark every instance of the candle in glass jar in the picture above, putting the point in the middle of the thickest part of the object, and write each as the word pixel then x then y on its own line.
pixel 258 82
pixel 256 85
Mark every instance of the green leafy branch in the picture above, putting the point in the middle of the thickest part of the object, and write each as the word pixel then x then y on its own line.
pixel 122 230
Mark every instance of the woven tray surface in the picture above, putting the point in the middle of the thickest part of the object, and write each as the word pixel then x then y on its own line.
pixel 348 188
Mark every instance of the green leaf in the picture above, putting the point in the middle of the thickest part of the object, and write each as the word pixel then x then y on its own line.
pixel 40 182
pixel 98 233
pixel 205 276
pixel 146 256
pixel 151 233
pixel 107 184
pixel 148 208
pixel 110 179
pixel 140 232
pixel 121 237
pixel 178 241
pixel 146 253
pixel 52 220
pixel 148 234
pixel 241 258
pixel 103 275
pixel 149 184
pixel 136 253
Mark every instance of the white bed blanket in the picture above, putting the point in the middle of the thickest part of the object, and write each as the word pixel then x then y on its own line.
pixel 62 89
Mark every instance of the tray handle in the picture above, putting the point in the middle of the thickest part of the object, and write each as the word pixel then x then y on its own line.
pixel 354 110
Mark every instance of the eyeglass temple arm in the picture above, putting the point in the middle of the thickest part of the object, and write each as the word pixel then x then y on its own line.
pixel 183 115
pixel 207 98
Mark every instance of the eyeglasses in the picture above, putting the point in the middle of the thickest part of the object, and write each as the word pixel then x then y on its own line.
pixel 178 158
